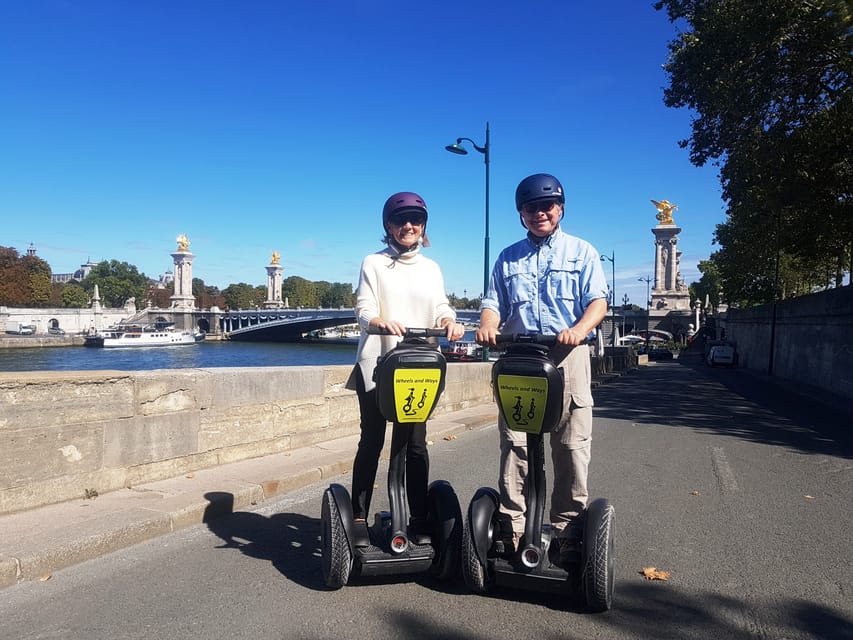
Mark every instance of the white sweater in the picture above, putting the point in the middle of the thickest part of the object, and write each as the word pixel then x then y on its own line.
pixel 405 287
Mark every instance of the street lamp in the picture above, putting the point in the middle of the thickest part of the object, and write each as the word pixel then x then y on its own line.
pixel 647 280
pixel 459 149
pixel 612 258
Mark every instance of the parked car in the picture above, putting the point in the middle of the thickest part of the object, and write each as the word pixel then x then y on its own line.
pixel 722 355
pixel 56 331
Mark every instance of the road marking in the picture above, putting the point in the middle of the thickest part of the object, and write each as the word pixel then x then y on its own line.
pixel 724 473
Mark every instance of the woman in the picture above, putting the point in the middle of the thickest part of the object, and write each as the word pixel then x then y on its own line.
pixel 398 287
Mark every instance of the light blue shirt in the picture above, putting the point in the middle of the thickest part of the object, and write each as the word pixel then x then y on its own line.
pixel 544 286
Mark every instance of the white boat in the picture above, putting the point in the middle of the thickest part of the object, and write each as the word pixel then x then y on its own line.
pixel 142 335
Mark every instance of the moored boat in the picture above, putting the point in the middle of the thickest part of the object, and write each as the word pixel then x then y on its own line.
pixel 463 351
pixel 158 334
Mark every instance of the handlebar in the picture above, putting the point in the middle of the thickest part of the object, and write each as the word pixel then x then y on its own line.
pixel 526 338
pixel 411 332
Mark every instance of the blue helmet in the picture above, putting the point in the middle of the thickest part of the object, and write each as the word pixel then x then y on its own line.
pixel 538 187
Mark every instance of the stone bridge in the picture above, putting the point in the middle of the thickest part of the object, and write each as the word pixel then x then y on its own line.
pixel 287 325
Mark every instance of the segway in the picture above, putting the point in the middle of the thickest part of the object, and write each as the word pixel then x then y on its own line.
pixel 409 381
pixel 528 389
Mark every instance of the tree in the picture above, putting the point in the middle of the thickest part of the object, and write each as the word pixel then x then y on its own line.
pixel 39 280
pixel 117 282
pixel 24 280
pixel 300 292
pixel 240 296
pixel 74 296
pixel 771 89
pixel 709 284
pixel 335 294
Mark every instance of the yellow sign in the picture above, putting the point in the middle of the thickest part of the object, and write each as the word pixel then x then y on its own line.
pixel 415 393
pixel 522 400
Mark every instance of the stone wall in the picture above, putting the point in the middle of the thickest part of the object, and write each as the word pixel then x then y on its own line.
pixel 813 339
pixel 63 433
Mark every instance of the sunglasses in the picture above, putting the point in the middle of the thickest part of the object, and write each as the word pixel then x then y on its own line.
pixel 414 218
pixel 532 208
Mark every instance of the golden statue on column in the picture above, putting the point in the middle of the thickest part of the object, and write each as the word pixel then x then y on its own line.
pixel 665 209
pixel 183 242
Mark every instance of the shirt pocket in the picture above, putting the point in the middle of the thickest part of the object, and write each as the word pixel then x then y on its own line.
pixel 564 281
pixel 520 285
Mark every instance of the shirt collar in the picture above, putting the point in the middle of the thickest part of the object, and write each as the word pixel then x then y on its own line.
pixel 547 241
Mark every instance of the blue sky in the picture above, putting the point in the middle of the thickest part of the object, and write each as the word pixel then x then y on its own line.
pixel 260 126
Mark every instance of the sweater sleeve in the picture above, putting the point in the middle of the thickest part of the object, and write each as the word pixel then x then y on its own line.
pixel 367 301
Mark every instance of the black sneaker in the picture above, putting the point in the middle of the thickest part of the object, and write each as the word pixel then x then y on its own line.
pixel 570 541
pixel 360 533
pixel 419 529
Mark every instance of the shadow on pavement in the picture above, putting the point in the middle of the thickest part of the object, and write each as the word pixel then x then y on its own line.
pixel 288 540
pixel 729 402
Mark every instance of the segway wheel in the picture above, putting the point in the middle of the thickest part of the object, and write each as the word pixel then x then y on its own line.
pixel 336 556
pixel 447 529
pixel 479 531
pixel 597 575
pixel 473 571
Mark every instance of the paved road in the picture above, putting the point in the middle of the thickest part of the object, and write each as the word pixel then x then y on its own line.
pixel 740 489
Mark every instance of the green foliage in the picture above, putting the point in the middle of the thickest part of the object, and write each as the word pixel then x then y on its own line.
pixel 117 282
pixel 239 296
pixel 771 90
pixel 300 292
pixel 74 296
pixel 709 284
pixel 463 303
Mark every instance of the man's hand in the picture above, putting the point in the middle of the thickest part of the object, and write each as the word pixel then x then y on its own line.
pixel 570 336
pixel 485 335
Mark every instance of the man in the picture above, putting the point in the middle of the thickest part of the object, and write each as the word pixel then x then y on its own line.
pixel 548 283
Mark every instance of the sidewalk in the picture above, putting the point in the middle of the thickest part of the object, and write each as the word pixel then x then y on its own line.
pixel 35 543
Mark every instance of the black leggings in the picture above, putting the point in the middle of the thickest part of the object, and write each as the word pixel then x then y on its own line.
pixel 411 435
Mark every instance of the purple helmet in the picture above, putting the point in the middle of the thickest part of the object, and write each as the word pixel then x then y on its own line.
pixel 538 187
pixel 403 201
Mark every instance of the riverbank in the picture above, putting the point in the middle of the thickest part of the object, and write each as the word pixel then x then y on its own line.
pixel 9 341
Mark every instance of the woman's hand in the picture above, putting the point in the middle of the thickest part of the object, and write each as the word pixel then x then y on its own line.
pixel 392 326
pixel 454 330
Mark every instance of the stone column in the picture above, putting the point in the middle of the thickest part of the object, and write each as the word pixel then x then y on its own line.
pixel 274 271
pixel 183 299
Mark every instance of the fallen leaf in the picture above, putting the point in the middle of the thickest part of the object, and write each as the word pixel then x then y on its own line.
pixel 807 497
pixel 45 577
pixel 450 437
pixel 695 493
pixel 652 573
pixel 190 475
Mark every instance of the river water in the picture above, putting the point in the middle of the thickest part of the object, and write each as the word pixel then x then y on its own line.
pixel 204 354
